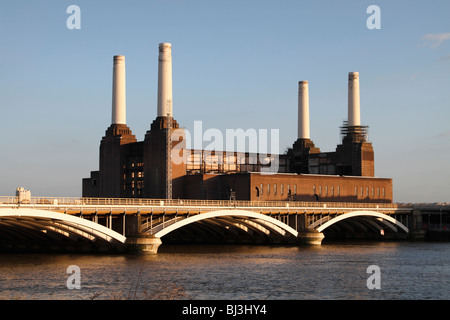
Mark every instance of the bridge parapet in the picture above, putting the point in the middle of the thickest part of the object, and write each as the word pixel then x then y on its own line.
pixel 74 201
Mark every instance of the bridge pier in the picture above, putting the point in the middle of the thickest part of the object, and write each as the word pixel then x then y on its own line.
pixel 417 233
pixel 143 244
pixel 311 237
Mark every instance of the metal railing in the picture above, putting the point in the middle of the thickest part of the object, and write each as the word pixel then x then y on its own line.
pixel 137 202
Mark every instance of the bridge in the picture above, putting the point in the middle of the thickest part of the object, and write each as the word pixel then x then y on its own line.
pixel 142 225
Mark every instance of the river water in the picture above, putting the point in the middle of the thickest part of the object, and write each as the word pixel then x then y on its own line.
pixel 407 270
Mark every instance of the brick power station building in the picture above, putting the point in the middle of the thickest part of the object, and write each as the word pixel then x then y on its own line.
pixel 146 169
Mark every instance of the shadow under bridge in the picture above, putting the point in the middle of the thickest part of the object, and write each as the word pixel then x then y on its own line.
pixel 26 229
pixel 221 226
pixel 360 224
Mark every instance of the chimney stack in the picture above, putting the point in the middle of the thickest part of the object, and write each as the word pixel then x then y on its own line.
pixel 303 110
pixel 118 93
pixel 165 80
pixel 354 117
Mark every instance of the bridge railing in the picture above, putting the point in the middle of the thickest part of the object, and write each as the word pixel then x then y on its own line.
pixel 74 201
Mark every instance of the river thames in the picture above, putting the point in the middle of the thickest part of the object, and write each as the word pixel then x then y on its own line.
pixel 407 270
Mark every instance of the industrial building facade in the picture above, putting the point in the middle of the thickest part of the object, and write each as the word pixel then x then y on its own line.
pixel 145 169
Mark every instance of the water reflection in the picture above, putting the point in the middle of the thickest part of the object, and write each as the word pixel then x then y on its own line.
pixel 331 271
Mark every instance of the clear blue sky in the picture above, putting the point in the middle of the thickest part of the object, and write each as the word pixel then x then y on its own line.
pixel 236 64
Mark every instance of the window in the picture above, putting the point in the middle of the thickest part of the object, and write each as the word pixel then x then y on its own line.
pixel 314 189
pixel 274 189
pixel 282 189
pixel 288 189
pixel 384 193
pixel 362 194
pixel 295 189
pixel 320 190
pixel 356 191
pixel 268 188
pixel 261 190
pixel 373 192
pixel 338 191
pixel 332 191
pixel 367 191
pixel 326 191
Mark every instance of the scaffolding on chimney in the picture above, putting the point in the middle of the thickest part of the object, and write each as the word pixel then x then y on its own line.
pixel 356 133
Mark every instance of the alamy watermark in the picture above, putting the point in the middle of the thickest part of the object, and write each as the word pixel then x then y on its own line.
pixel 74 279
pixel 374 280
pixel 261 147
pixel 374 20
pixel 74 20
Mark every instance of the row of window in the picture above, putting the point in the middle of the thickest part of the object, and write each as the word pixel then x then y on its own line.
pixel 325 191
pixel 137 164
pixel 133 175
pixel 138 174
pixel 372 192
pixel 275 190
pixel 369 191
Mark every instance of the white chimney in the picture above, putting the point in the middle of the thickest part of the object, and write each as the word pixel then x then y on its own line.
pixel 303 110
pixel 165 80
pixel 118 94
pixel 354 116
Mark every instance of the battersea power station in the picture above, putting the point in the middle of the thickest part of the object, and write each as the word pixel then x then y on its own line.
pixel 148 169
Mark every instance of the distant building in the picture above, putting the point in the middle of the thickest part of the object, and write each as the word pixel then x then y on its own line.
pixel 144 169
pixel 23 196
